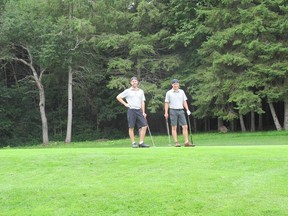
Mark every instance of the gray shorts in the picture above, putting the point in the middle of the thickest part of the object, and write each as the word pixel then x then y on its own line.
pixel 135 118
pixel 177 116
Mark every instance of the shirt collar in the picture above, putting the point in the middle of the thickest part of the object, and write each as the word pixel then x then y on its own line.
pixel 176 91
pixel 134 89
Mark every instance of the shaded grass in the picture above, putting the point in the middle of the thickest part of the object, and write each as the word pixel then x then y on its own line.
pixel 200 139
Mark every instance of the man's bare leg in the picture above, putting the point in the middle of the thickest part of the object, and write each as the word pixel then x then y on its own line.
pixel 131 134
pixel 142 134
pixel 174 134
pixel 185 133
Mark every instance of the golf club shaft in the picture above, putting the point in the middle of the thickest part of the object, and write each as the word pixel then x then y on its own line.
pixel 168 131
pixel 190 129
pixel 150 134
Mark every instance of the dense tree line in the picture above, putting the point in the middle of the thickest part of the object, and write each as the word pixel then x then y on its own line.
pixel 63 62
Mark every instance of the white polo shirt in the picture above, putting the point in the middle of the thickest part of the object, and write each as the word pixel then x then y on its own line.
pixel 175 99
pixel 134 97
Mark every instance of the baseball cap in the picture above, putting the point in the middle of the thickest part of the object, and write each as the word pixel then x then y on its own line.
pixel 134 78
pixel 175 81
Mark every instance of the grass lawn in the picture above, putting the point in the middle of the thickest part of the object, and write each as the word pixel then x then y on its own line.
pixel 226 174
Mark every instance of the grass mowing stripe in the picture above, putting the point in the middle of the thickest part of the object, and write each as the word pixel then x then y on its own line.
pixel 248 180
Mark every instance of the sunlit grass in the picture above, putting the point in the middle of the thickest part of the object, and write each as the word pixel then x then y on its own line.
pixel 110 178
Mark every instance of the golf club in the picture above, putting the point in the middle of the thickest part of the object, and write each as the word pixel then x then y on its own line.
pixel 168 131
pixel 189 124
pixel 150 135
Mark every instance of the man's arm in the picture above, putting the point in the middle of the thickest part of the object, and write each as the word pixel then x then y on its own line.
pixel 143 108
pixel 122 101
pixel 166 108
pixel 185 104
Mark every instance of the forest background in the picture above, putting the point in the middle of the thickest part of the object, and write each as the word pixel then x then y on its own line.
pixel 62 63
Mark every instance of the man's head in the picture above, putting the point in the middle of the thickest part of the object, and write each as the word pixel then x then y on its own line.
pixel 175 84
pixel 134 78
pixel 175 81
pixel 134 82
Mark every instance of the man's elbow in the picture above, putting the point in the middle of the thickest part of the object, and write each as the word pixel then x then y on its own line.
pixel 118 97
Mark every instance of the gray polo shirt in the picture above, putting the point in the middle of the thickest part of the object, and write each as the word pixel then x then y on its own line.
pixel 175 99
pixel 134 97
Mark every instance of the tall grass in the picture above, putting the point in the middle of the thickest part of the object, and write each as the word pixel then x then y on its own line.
pixel 99 178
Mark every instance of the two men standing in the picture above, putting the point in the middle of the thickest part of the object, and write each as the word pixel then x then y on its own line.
pixel 175 102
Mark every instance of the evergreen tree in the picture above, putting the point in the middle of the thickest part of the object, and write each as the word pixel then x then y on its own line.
pixel 227 84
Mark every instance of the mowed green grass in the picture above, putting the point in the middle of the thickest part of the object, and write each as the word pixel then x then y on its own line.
pixel 110 178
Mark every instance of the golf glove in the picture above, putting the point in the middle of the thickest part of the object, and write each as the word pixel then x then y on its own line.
pixel 188 112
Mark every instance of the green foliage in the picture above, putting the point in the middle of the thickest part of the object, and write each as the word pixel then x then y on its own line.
pixel 110 41
pixel 119 65
pixel 236 54
pixel 141 50
pixel 19 117
pixel 148 16
pixel 231 56
pixel 154 96
pixel 120 83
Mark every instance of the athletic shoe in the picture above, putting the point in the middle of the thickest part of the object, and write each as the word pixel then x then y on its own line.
pixel 143 145
pixel 188 144
pixel 134 145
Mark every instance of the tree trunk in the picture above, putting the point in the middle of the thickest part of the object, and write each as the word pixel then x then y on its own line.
pixel 37 79
pixel 252 121
pixel 70 96
pixel 242 124
pixel 219 122
pixel 232 125
pixel 195 125
pixel 43 116
pixel 275 118
pixel 70 106
pixel 205 124
pixel 45 138
pixel 285 124
pixel 260 122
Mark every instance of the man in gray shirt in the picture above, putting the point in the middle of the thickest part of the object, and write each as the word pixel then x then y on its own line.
pixel 136 116
pixel 175 102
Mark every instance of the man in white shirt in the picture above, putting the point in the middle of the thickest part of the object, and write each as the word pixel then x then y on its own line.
pixel 175 102
pixel 136 116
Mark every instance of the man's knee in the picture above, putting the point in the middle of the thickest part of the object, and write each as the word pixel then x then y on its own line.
pixel 184 127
